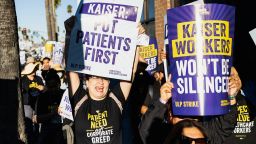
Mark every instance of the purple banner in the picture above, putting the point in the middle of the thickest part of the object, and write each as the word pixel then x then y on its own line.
pixel 201 40
pixel 124 12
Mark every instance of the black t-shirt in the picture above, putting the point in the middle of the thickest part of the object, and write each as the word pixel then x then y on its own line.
pixel 98 121
pixel 245 130
pixel 30 91
pixel 47 105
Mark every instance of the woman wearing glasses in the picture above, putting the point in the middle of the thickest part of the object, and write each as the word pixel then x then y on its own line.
pixel 187 131
pixel 154 128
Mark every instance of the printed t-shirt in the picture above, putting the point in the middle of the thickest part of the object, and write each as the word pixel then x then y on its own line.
pixel 30 90
pixel 98 121
pixel 245 130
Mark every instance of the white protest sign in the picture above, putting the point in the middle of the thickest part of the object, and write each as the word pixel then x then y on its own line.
pixel 65 107
pixel 253 35
pixel 41 52
pixel 166 46
pixel 58 53
pixel 22 57
pixel 103 40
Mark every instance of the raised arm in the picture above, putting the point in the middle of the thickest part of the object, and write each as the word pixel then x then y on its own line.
pixel 73 77
pixel 153 115
pixel 74 81
pixel 126 85
pixel 234 85
pixel 222 126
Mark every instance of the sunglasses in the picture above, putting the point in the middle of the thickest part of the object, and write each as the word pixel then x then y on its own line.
pixel 188 140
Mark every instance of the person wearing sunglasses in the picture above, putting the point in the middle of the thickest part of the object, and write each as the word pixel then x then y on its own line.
pixel 98 108
pixel 187 131
pixel 158 121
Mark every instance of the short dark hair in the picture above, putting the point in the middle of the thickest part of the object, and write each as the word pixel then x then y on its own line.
pixel 52 75
pixel 86 76
pixel 46 58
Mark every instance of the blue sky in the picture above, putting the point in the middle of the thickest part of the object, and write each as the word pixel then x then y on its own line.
pixel 31 14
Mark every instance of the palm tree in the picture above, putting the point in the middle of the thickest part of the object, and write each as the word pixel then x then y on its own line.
pixel 50 7
pixel 69 9
pixel 11 106
pixel 57 3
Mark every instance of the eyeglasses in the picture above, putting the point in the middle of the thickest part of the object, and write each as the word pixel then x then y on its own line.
pixel 188 140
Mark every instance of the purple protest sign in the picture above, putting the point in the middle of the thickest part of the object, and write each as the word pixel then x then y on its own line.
pixel 200 52
pixel 150 54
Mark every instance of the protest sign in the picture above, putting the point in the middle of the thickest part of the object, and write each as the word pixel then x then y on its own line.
pixel 253 35
pixel 200 43
pixel 22 57
pixel 103 40
pixel 65 106
pixel 150 54
pixel 49 46
pixel 57 54
pixel 166 48
pixel 41 52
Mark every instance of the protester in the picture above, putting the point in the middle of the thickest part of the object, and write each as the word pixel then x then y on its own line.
pixel 245 130
pixel 98 119
pixel 45 66
pixel 154 89
pixel 187 131
pixel 217 128
pixel 153 93
pixel 61 74
pixel 32 86
pixel 145 89
pixel 131 115
pixel 47 111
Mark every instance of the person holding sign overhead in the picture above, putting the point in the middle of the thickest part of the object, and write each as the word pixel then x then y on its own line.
pixel 98 109
pixel 187 132
pixel 217 128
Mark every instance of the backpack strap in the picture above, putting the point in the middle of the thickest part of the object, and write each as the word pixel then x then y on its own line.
pixel 119 104
pixel 69 133
pixel 78 105
pixel 68 127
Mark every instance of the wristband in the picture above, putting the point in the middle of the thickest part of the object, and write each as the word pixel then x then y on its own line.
pixel 231 97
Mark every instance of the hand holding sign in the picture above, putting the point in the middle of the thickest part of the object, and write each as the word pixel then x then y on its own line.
pixel 166 90
pixel 162 55
pixel 100 43
pixel 69 24
pixel 141 29
pixel 234 84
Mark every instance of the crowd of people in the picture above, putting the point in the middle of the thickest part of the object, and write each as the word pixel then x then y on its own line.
pixel 42 93
pixel 122 112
